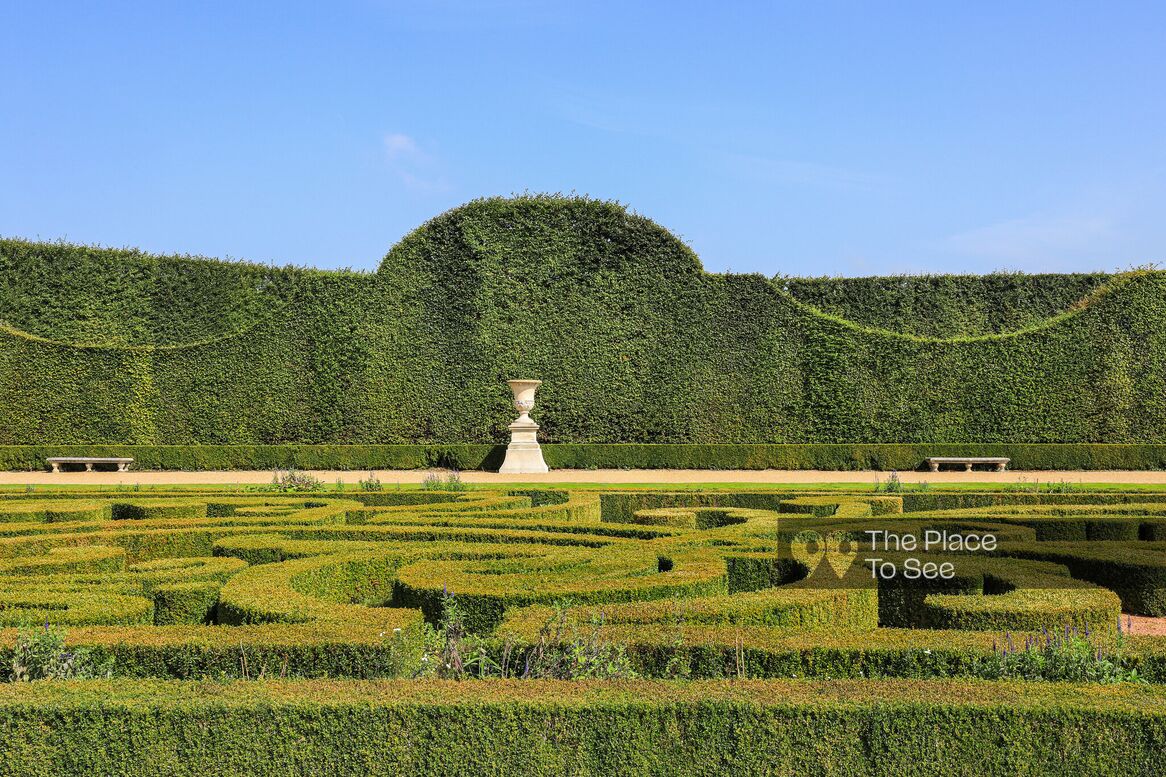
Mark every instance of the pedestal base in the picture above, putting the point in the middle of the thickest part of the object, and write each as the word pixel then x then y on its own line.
pixel 523 456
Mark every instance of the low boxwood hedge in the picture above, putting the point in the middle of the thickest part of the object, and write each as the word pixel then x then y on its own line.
pixel 192 602
pixel 840 457
pixel 307 578
pixel 774 728
pixel 251 457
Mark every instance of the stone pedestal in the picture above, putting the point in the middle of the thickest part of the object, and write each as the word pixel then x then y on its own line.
pixel 523 456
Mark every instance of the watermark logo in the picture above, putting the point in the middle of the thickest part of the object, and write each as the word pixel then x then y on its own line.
pixel 879 554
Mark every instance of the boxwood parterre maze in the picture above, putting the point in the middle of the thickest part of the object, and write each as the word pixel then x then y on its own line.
pixel 764 584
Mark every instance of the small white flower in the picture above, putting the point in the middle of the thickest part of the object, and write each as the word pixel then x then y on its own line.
pixel 928 651
pixel 382 634
pixel 396 631
pixel 425 659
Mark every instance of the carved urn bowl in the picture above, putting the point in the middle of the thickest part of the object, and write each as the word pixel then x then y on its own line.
pixel 524 398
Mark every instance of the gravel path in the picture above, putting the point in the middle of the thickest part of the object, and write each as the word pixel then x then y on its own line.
pixel 1141 626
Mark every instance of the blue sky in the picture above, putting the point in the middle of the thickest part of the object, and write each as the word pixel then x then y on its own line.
pixel 800 138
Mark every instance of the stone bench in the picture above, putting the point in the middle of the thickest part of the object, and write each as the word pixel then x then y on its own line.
pixel 999 462
pixel 55 462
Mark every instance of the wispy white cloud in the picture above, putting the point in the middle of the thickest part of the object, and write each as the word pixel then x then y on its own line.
pixel 414 167
pixel 1038 237
pixel 398 144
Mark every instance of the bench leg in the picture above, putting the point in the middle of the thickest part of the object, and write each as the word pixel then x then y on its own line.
pixel 933 466
pixel 56 467
pixel 123 467
pixel 999 467
pixel 967 467
pixel 88 467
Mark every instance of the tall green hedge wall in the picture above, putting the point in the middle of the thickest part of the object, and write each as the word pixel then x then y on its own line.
pixel 635 343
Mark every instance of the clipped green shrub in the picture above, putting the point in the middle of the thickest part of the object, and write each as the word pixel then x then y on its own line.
pixel 634 341
pixel 192 602
pixel 265 457
pixel 902 457
pixel 49 511
pixel 1136 572
pixel 690 584
pixel 591 728
pixel 24 606
pixel 148 509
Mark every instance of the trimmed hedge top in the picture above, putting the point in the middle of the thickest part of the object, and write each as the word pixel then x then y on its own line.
pixel 807 695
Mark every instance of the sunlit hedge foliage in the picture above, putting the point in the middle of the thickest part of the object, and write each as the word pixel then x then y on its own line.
pixel 721 581
pixel 259 633
pixel 773 728
pixel 598 456
pixel 635 343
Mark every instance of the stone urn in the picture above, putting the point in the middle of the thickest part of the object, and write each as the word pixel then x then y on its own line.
pixel 523 454
pixel 524 397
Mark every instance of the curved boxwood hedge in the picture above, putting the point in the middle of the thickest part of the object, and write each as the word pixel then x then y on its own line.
pixel 723 582
pixel 635 343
